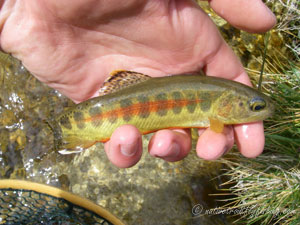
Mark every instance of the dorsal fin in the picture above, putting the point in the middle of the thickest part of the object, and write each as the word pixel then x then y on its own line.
pixel 120 79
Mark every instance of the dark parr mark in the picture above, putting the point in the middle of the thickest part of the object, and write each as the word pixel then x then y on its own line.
pixel 79 119
pixel 78 116
pixel 193 103
pixel 126 103
pixel 144 110
pixel 177 96
pixel 95 111
pixel 161 107
pixel 95 114
pixel 65 122
pixel 206 103
pixel 113 116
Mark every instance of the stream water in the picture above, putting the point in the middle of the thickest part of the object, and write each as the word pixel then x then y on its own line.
pixel 151 192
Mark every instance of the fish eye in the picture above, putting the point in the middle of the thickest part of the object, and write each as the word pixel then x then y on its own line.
pixel 256 104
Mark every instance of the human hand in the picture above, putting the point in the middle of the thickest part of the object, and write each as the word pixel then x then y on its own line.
pixel 73 45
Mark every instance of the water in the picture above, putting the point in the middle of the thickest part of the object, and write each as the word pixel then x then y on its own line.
pixel 151 192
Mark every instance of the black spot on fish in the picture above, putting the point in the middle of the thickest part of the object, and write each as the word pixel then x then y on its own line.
pixel 177 96
pixel 65 122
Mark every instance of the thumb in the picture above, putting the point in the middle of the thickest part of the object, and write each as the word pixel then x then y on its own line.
pixel 252 16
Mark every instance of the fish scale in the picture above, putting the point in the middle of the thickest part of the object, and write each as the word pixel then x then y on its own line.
pixel 150 104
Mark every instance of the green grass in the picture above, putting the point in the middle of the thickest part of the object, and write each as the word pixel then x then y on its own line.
pixel 271 183
pixel 268 187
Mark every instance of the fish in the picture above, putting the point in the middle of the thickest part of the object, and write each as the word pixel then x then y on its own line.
pixel 155 103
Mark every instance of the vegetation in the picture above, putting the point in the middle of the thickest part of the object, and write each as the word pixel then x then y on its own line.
pixel 267 189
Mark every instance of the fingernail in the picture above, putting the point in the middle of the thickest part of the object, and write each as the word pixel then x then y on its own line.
pixel 172 151
pixel 129 149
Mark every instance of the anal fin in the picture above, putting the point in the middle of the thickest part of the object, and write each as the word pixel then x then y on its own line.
pixel 216 125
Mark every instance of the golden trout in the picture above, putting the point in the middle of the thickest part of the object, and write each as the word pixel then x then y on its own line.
pixel 151 104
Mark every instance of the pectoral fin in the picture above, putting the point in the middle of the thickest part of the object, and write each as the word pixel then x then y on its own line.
pixel 216 125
